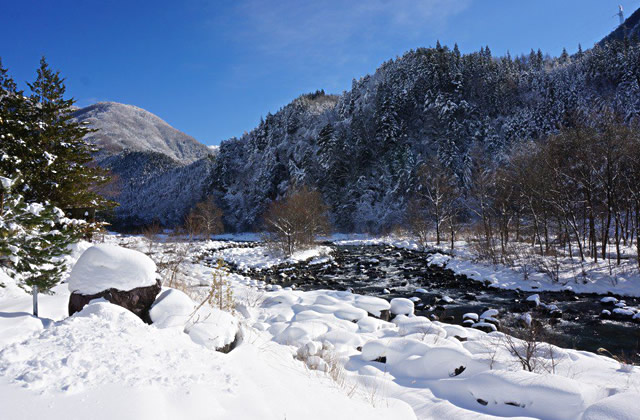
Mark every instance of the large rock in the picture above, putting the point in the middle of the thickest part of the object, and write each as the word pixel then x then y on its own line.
pixel 122 276
pixel 138 300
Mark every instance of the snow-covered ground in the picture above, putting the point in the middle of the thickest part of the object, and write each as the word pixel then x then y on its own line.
pixel 302 355
pixel 261 257
pixel 105 363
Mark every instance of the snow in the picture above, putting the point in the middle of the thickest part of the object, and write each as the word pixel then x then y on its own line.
pixel 624 312
pixel 172 308
pixel 482 325
pixel 215 329
pixel 622 406
pixel 402 306
pixel 372 305
pixel 312 355
pixel 609 300
pixel 107 266
pixel 262 257
pixel 489 313
pixel 471 316
pixel 534 298
pixel 6 182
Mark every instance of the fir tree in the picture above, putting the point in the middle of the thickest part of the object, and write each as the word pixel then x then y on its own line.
pixel 55 166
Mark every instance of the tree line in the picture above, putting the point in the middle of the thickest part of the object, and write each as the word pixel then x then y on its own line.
pixel 576 190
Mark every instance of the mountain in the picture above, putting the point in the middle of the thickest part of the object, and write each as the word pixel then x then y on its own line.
pixel 126 127
pixel 158 173
pixel 362 149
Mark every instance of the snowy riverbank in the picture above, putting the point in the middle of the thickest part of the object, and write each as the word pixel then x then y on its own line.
pixel 526 273
pixel 302 355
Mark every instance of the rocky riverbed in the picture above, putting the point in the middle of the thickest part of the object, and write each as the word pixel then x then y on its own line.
pixel 581 321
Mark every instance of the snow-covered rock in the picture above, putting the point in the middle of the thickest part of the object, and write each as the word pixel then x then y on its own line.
pixel 107 266
pixel 490 313
pixel 608 300
pixel 373 305
pixel 214 329
pixel 121 276
pixel 472 316
pixel 534 300
pixel 402 306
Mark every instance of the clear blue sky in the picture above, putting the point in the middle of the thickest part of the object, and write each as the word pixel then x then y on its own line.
pixel 212 68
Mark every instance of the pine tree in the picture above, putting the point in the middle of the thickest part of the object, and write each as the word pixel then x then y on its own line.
pixel 34 233
pixel 55 164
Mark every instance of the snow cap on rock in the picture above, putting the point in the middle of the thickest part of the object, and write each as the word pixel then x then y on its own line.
pixel 401 306
pixel 105 266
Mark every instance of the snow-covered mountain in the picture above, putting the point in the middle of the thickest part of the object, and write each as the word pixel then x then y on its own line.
pixel 126 127
pixel 362 149
pixel 158 173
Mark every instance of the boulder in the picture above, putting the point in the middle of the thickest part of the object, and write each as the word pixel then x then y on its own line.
pixel 138 300
pixel 121 276
pixel 622 314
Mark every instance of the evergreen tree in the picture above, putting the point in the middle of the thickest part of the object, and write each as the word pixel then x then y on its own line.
pixel 33 237
pixel 54 165
pixel 42 155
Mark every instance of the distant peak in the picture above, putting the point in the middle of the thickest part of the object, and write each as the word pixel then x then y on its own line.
pixel 123 127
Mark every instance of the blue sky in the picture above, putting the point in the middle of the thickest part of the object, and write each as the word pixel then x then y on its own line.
pixel 213 68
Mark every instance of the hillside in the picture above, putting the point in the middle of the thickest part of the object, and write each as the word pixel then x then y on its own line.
pixel 362 149
pixel 629 29
pixel 151 187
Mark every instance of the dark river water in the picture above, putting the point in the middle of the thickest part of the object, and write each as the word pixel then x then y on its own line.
pixel 388 272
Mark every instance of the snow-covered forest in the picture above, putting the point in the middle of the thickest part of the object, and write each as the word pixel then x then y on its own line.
pixel 362 149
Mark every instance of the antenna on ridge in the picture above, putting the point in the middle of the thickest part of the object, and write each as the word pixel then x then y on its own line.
pixel 620 14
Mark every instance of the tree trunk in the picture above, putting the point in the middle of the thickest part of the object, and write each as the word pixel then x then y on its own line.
pixel 617 238
pixel 34 291
pixel 605 234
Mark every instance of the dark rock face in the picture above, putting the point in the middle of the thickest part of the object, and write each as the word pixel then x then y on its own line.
pixel 227 348
pixel 138 300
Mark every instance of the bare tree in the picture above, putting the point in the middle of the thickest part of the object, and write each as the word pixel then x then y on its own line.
pixel 419 223
pixel 150 233
pixel 435 201
pixel 296 221
pixel 204 219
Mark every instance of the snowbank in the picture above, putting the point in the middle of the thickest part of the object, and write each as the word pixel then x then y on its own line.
pixel 172 308
pixel 261 257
